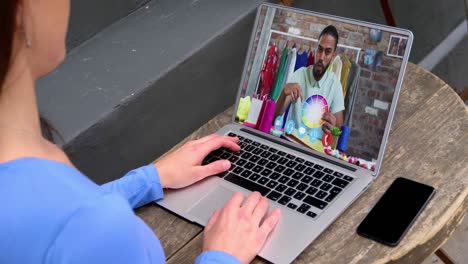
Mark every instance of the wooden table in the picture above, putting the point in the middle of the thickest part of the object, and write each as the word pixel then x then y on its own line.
pixel 428 143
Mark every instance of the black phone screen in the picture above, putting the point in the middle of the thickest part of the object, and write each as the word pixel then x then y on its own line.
pixel 394 213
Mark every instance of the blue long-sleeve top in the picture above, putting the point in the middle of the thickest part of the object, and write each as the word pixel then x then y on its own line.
pixel 52 213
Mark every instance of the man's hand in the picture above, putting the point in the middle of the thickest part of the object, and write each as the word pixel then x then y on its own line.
pixel 183 167
pixel 238 228
pixel 329 120
pixel 294 90
pixel 291 91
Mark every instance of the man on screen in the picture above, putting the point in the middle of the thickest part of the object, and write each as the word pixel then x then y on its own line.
pixel 315 80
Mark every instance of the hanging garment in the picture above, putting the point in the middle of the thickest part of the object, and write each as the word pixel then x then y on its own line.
pixel 352 84
pixel 286 68
pixel 301 60
pixel 280 75
pixel 335 66
pixel 344 75
pixel 310 60
pixel 267 75
pixel 292 63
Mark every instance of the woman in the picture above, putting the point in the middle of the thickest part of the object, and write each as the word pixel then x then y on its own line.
pixel 54 214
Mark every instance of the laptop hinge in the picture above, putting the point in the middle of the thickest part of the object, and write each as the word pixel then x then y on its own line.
pixel 280 142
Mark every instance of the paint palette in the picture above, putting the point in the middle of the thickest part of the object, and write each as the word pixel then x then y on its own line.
pixel 313 109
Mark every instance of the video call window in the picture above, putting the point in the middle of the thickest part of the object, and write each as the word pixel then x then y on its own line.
pixel 321 83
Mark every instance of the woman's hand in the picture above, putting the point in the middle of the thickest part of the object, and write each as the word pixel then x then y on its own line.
pixel 237 230
pixel 182 167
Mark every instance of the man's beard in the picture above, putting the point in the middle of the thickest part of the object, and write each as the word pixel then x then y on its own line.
pixel 319 70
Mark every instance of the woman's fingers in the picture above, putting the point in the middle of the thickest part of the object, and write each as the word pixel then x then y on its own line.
pixel 260 210
pixel 251 202
pixel 218 142
pixel 235 201
pixel 212 220
pixel 206 138
pixel 201 172
pixel 236 231
pixel 270 222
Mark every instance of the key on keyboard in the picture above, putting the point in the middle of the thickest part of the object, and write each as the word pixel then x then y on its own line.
pixel 249 185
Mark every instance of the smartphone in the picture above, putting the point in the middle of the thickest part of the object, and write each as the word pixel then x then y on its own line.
pixel 395 212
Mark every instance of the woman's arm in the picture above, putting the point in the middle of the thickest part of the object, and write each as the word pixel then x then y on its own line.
pixel 140 186
pixel 179 169
pixel 216 257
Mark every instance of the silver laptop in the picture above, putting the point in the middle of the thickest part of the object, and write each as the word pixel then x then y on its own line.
pixel 313 156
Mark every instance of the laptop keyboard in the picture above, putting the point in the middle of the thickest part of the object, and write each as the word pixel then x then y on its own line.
pixel 291 181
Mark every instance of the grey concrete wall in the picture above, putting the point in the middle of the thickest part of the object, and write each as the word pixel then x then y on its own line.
pixel 127 57
pixel 141 85
pixel 88 17
pixel 452 69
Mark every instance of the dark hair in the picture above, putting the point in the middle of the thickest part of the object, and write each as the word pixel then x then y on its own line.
pixel 8 10
pixel 330 30
pixel 49 132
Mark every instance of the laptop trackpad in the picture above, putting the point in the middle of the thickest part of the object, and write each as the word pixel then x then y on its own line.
pixel 216 199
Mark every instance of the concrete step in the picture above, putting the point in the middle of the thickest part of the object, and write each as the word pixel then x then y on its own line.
pixel 88 17
pixel 136 88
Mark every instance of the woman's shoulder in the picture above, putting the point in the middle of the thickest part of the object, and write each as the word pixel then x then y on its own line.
pixel 40 185
pixel 27 171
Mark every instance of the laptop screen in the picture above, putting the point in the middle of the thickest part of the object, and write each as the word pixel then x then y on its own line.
pixel 322 83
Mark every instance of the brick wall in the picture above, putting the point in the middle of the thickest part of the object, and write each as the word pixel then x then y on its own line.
pixel 370 114
pixel 376 85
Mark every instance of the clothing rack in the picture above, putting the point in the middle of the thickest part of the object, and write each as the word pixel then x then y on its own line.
pixel 358 50
pixel 314 40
